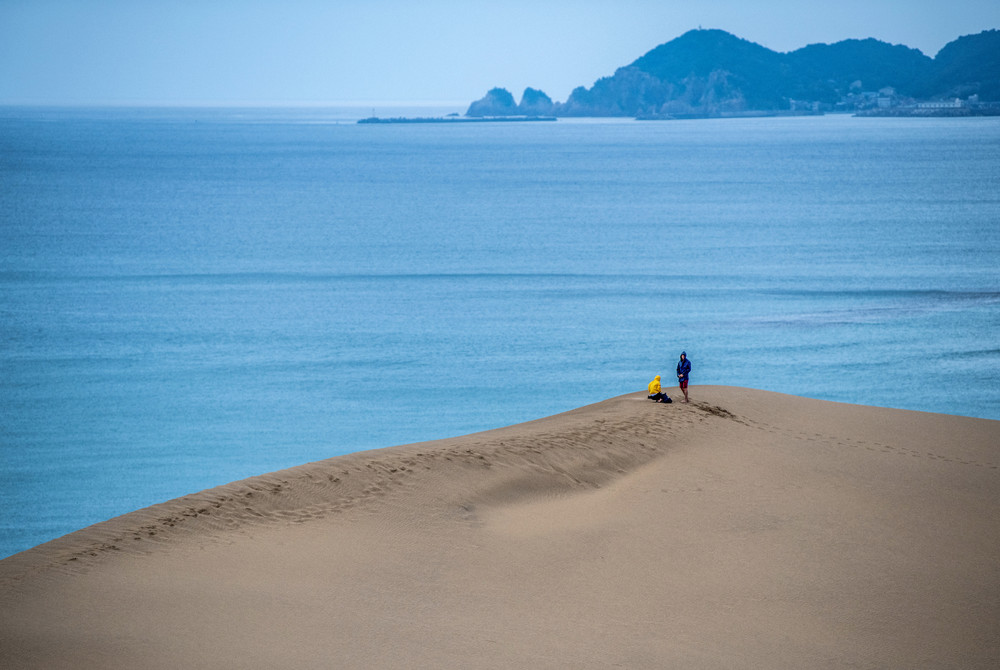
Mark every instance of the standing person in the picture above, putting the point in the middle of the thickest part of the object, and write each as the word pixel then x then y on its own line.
pixel 683 370
pixel 655 392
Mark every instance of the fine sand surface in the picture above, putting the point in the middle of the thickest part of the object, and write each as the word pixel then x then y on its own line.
pixel 744 530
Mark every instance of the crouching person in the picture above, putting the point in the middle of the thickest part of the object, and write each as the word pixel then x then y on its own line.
pixel 656 393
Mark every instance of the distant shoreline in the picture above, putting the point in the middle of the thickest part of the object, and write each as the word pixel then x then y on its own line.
pixel 931 112
pixel 754 114
pixel 457 119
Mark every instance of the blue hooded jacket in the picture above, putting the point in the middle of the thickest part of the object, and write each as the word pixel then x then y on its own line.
pixel 683 367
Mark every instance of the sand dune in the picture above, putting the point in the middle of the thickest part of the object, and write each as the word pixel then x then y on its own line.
pixel 746 530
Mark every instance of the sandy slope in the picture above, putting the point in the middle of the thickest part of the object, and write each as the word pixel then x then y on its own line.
pixel 746 530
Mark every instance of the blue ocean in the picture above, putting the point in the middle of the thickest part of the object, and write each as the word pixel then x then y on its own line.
pixel 193 296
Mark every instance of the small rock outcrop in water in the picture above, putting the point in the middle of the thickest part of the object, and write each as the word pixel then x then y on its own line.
pixel 535 103
pixel 500 102
pixel 496 102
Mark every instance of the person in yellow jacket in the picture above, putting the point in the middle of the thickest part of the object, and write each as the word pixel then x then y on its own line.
pixel 656 393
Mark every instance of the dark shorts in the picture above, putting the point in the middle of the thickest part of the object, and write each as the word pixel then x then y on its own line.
pixel 684 384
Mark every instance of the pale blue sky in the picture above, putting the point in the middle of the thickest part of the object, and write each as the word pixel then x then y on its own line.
pixel 383 51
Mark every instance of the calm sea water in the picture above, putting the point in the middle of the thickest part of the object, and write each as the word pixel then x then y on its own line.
pixel 189 297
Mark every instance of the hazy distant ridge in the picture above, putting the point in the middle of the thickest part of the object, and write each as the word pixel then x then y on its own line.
pixel 715 72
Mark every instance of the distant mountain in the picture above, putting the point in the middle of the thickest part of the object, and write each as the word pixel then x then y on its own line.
pixel 968 66
pixel 827 72
pixel 711 72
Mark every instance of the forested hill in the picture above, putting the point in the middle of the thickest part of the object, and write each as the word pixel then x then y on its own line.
pixel 712 72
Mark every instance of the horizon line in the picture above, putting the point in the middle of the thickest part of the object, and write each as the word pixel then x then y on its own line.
pixel 228 104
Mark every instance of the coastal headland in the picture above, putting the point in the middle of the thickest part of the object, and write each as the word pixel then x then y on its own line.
pixel 746 529
pixel 714 74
